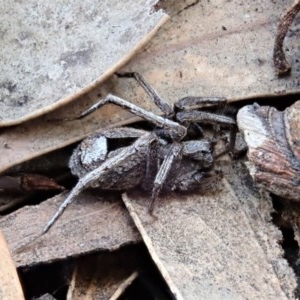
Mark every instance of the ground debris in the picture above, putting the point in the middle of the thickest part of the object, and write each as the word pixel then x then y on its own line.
pixel 92 223
pixel 219 245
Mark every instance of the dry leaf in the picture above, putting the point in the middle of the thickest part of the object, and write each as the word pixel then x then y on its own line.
pixel 28 183
pixel 219 48
pixel 10 287
pixel 193 54
pixel 91 223
pixel 53 53
pixel 18 189
pixel 217 246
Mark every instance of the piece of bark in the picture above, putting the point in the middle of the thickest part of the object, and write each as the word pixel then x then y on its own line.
pixel 53 53
pixel 91 223
pixel 216 246
pixel 10 287
pixel 273 143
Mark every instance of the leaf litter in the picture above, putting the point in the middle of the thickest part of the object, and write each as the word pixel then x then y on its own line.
pixel 173 80
pixel 185 57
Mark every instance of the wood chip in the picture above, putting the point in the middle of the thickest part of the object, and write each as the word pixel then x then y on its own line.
pixel 217 246
pixel 91 223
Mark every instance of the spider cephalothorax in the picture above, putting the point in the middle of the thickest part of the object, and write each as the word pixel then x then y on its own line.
pixel 168 158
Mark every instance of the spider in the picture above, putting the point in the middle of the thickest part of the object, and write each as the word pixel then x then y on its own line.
pixel 168 158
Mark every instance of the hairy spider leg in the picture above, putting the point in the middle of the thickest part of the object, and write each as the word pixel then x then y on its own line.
pixel 172 129
pixel 152 164
pixel 192 103
pixel 136 150
pixel 167 172
pixel 210 118
pixel 159 102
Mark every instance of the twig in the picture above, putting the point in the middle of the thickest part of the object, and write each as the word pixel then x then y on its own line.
pixel 282 66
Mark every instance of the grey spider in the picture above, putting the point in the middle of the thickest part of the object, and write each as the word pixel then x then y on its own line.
pixel 165 159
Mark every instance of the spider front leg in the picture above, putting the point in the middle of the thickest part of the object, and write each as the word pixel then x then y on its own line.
pixel 204 117
pixel 159 102
pixel 172 129
pixel 192 103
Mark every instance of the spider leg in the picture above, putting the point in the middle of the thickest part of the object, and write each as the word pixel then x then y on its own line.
pixel 151 167
pixel 174 130
pixel 192 103
pixel 210 118
pixel 205 118
pixel 167 172
pixel 110 171
pixel 159 102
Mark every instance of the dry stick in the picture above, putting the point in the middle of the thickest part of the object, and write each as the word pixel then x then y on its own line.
pixel 282 66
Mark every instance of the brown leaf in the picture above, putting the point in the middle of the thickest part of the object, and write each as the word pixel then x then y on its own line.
pixel 219 48
pixel 35 182
pixel 28 183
